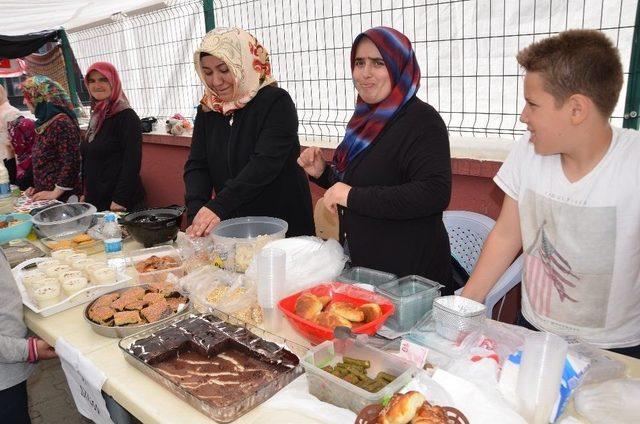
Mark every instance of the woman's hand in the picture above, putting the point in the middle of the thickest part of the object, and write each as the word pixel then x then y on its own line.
pixel 30 191
pixel 115 207
pixel 48 195
pixel 45 351
pixel 204 222
pixel 336 195
pixel 312 162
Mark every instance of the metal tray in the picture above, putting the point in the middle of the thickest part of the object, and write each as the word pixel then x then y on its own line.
pixel 20 250
pixel 231 412
pixel 83 296
pixel 120 332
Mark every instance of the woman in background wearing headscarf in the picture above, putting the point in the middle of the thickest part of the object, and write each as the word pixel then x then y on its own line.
pixel 56 151
pixel 22 135
pixel 245 140
pixel 8 113
pixel 390 179
pixel 112 147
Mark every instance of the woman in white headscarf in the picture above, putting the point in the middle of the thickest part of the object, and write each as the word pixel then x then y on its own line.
pixel 245 140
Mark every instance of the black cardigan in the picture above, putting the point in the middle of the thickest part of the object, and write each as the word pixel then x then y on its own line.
pixel 111 163
pixel 400 187
pixel 250 163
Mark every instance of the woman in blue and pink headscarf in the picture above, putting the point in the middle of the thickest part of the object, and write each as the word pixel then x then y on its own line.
pixel 390 179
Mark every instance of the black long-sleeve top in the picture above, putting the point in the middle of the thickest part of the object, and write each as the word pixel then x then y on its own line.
pixel 400 187
pixel 111 163
pixel 249 162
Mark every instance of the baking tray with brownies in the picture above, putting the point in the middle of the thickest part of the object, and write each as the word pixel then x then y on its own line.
pixel 219 365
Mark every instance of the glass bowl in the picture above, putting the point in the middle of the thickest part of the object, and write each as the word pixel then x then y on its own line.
pixel 63 220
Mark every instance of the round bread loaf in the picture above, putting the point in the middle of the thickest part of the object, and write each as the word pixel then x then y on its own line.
pixel 346 311
pixel 401 408
pixel 308 306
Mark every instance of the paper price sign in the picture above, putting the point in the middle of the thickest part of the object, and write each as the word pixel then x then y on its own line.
pixel 85 382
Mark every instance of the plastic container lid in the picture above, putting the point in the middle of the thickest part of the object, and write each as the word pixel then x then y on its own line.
pixel 362 275
pixel 413 297
pixel 409 287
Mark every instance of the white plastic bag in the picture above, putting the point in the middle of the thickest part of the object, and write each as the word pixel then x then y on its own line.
pixel 614 401
pixel 310 260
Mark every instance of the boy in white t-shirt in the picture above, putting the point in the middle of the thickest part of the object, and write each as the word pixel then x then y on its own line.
pixel 572 200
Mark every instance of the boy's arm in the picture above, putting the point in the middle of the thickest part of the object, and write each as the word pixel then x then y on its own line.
pixel 500 248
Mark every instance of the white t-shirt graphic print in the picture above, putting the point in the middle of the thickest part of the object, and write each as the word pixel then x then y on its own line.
pixel 581 241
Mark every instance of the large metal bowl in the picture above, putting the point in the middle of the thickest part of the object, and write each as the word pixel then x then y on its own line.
pixel 63 220
pixel 120 332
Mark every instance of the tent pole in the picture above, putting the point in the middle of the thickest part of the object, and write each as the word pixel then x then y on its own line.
pixel 632 104
pixel 209 17
pixel 68 64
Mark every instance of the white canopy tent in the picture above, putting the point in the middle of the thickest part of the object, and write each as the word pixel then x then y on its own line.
pixel 18 17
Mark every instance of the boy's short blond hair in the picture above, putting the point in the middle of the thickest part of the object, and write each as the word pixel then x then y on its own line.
pixel 577 61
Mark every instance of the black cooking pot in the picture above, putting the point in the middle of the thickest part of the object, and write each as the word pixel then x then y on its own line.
pixel 155 225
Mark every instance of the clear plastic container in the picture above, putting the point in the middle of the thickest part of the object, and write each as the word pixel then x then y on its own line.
pixel 237 240
pixel 362 275
pixel 329 388
pixel 413 297
pixel 136 257
pixel 63 220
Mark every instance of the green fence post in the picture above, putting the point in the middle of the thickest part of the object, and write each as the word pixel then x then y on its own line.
pixel 209 18
pixel 68 64
pixel 632 103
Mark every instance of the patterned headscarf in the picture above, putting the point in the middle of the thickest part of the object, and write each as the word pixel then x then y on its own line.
pixel 49 99
pixel 245 57
pixel 22 135
pixel 369 120
pixel 117 102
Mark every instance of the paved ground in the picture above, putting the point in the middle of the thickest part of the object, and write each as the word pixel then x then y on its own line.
pixel 50 400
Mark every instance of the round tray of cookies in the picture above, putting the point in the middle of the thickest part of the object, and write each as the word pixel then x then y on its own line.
pixel 123 312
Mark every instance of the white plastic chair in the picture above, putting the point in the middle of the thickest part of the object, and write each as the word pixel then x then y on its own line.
pixel 467 233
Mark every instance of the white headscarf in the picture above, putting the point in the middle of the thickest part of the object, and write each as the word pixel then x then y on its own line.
pixel 245 57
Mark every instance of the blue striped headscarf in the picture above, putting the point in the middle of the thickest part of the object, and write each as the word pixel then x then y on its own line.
pixel 369 120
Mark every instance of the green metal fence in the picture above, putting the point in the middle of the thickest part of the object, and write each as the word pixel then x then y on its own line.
pixel 466 50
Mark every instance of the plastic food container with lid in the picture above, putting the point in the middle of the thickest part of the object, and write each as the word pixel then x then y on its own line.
pixel 456 316
pixel 329 388
pixel 156 274
pixel 64 220
pixel 412 296
pixel 363 275
pixel 237 240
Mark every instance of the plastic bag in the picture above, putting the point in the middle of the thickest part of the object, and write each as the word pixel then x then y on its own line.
pixel 310 260
pixel 614 401
pixel 230 293
pixel 195 251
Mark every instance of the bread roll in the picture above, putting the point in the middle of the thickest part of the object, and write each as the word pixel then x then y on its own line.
pixel 401 408
pixel 346 311
pixel 325 300
pixel 308 306
pixel 371 311
pixel 331 320
pixel 430 415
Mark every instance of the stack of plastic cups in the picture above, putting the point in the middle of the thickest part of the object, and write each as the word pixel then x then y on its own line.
pixel 541 368
pixel 271 279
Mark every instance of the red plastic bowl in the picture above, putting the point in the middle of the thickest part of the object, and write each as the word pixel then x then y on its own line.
pixel 339 292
